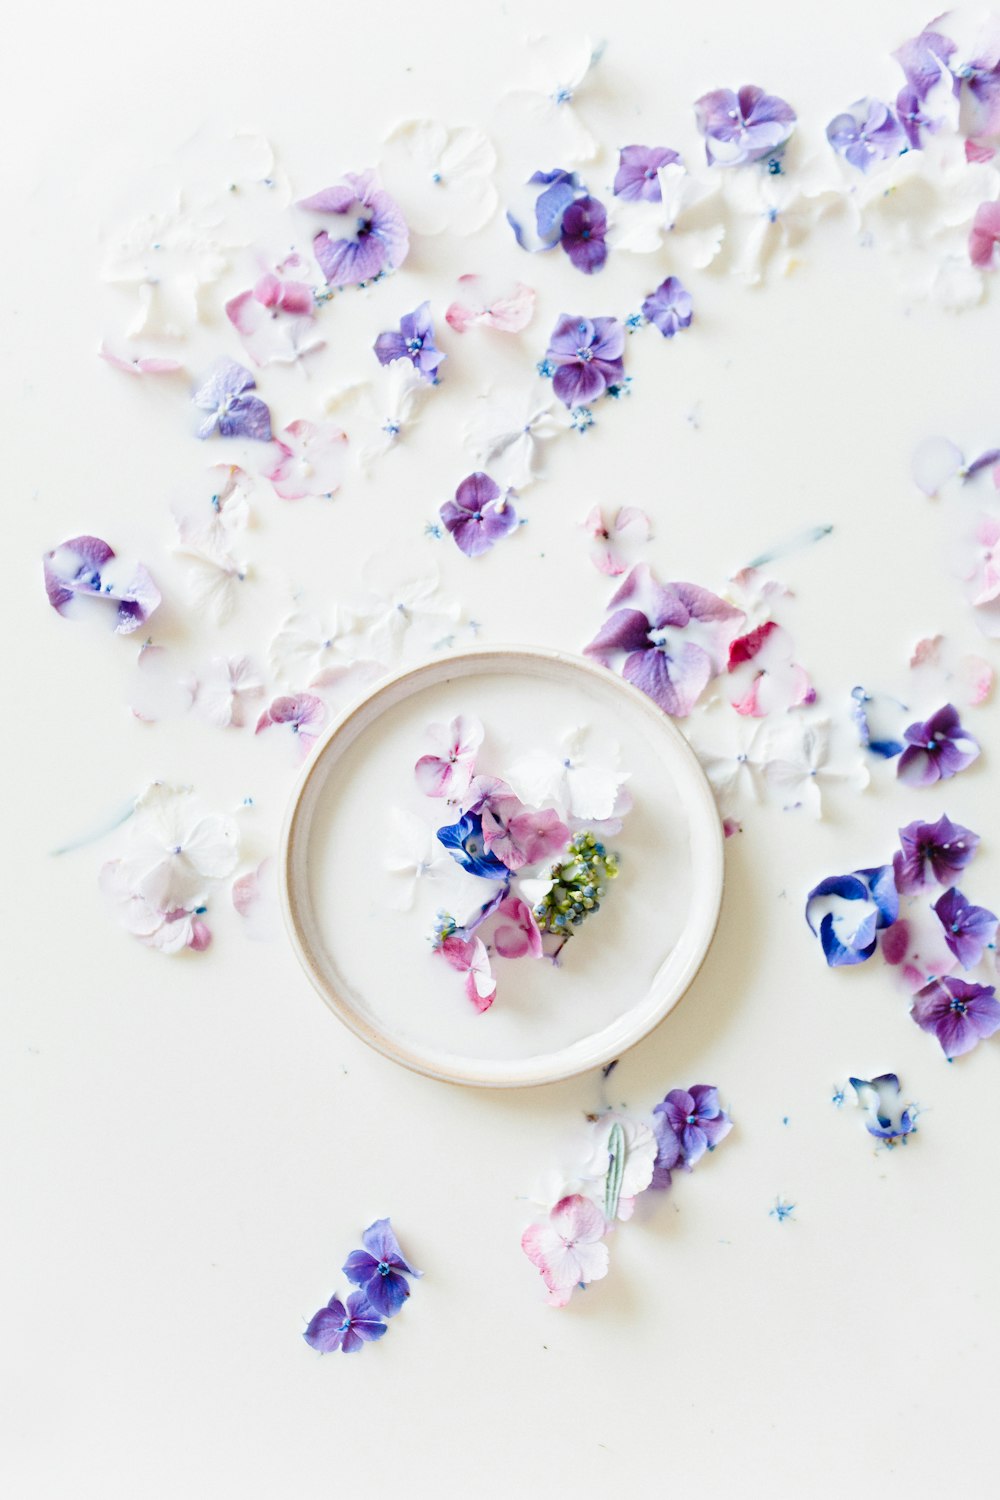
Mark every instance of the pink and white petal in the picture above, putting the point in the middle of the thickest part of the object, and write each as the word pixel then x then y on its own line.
pixel 633 523
pixel 255 897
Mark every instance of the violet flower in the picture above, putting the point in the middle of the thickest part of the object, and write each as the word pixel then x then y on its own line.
pixel 936 750
pixel 960 1014
pixel 742 127
pixel 587 354
pixel 692 1122
pixel 855 908
pixel 671 670
pixel 867 133
pixel 413 340
pixel 670 307
pixel 232 412
pixel 479 515
pixel 968 930
pixel 946 846
pixel 378 240
pixel 380 1270
pixel 87 565
pixel 584 226
pixel 637 177
pixel 345 1328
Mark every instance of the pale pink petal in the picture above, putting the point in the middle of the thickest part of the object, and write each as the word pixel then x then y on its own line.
pixel 142 365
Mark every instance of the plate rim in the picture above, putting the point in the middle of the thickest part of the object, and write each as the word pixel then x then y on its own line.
pixel 508 654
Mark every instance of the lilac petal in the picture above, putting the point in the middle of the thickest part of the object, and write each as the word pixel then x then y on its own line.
pixel 325 1330
pixel 390 346
pixel 626 630
pixel 576 384
pixel 705 1100
pixel 387 1291
pixel 676 682
pixel 359 1267
pixel 570 334
pixel 609 339
pixel 331 200
pixel 379 1239
pixel 476 492
pixel 349 262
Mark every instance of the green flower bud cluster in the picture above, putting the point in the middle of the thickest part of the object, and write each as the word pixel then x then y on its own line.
pixel 580 885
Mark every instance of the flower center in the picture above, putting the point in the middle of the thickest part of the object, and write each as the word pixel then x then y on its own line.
pixel 585 355
pixel 959 1007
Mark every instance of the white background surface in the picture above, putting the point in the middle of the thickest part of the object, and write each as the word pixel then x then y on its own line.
pixel 192 1147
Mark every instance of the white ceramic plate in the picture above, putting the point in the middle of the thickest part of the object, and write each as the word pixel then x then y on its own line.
pixel 374 966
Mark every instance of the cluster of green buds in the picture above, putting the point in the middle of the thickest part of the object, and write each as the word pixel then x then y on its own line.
pixel 579 885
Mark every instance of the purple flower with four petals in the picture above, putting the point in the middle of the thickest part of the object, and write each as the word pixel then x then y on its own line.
pixel 946 846
pixel 413 340
pixel 936 750
pixel 662 660
pixel 670 307
pixel 232 412
pixel 968 929
pixel 587 354
pixel 867 133
pixel 744 126
pixel 960 1014
pixel 479 515
pixel 345 1328
pixel 687 1124
pixel 376 241
pixel 637 176
pixel 584 225
pixel 380 1270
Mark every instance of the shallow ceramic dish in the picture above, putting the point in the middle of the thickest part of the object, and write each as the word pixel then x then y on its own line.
pixel 373 965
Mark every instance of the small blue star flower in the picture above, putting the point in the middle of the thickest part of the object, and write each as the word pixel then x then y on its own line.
pixel 781 1210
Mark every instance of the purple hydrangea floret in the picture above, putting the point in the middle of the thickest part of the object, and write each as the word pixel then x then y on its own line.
pixel 866 134
pixel 936 749
pixel 945 846
pixel 968 930
pixel 636 179
pixel 958 1013
pixel 587 354
pixel 345 1328
pixel 743 126
pixel 412 340
pixel 231 410
pixel 380 1270
pixel 687 1123
pixel 479 515
pixel 670 307
pixel 375 242
pixel 584 226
